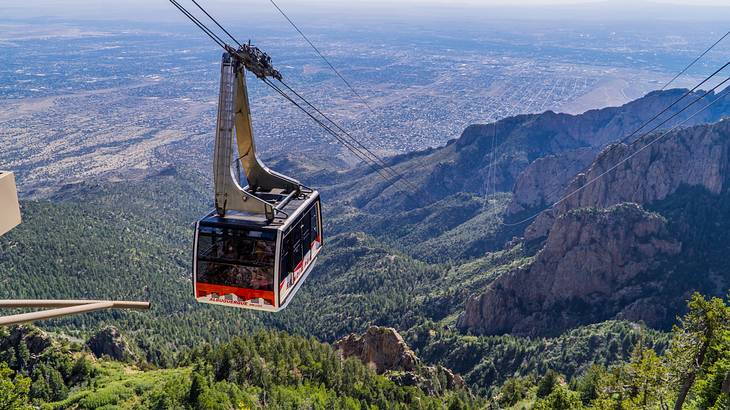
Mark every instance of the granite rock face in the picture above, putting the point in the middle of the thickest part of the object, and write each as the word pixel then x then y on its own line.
pixel 384 349
pixel 648 171
pixel 595 265
pixel 544 181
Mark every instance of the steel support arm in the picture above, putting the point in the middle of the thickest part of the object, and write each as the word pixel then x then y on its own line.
pixel 61 308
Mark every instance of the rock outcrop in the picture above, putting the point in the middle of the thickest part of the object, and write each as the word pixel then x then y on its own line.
pixel 385 351
pixel 694 156
pixel 110 342
pixel 33 338
pixel 544 181
pixel 596 265
pixel 382 348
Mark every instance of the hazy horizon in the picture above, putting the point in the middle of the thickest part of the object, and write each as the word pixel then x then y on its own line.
pixel 470 10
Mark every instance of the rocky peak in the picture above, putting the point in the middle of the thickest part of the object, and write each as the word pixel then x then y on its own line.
pixel 384 349
pixel 592 258
pixel 110 342
pixel 33 338
pixel 544 181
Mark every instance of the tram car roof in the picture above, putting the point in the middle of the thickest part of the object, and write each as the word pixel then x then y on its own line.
pixel 283 219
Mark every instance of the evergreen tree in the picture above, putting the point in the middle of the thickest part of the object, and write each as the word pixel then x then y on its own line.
pixel 560 398
pixel 39 389
pixel 14 389
pixel 588 386
pixel 547 383
pixel 700 331
pixel 22 358
pixel 58 390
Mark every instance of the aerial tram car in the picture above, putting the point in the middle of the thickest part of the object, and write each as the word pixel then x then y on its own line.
pixel 259 244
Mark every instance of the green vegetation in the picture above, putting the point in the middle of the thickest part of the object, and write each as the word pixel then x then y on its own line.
pixel 122 241
pixel 13 389
pixel 693 373
pixel 264 370
pixel 487 361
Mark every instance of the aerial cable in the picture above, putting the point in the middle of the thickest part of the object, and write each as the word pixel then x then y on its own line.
pixel 376 157
pixel 347 145
pixel 492 171
pixel 329 130
pixel 304 36
pixel 626 138
pixel 633 154
pixel 381 161
pixel 200 25
pixel 216 23
pixel 390 177
pixel 356 151
pixel 695 60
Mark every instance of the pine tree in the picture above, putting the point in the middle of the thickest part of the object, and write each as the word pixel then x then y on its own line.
pixel 58 389
pixel 547 383
pixel 703 327
pixel 39 389
pixel 589 385
pixel 22 358
pixel 13 390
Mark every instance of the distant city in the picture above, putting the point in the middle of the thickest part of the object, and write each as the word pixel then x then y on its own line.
pixel 79 101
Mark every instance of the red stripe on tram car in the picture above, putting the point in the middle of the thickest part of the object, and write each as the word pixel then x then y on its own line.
pixel 205 289
pixel 318 239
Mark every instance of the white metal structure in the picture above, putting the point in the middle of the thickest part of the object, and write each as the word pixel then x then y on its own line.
pixel 9 208
pixel 10 218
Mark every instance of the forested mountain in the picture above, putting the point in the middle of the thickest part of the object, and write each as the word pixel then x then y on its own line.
pixel 608 270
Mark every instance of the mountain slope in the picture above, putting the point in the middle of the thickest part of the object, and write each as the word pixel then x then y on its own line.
pixel 463 165
pixel 390 262
pixel 540 152
pixel 602 260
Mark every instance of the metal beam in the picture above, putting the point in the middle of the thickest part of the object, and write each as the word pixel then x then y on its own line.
pixel 54 303
pixel 9 209
pixel 61 308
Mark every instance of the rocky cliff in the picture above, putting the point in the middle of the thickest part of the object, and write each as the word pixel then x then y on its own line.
pixel 601 256
pixel 33 338
pixel 544 181
pixel 387 353
pixel 693 156
pixel 382 348
pixel 596 265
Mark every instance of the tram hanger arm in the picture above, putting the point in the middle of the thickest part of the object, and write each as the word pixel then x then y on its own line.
pixel 234 116
pixel 61 308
